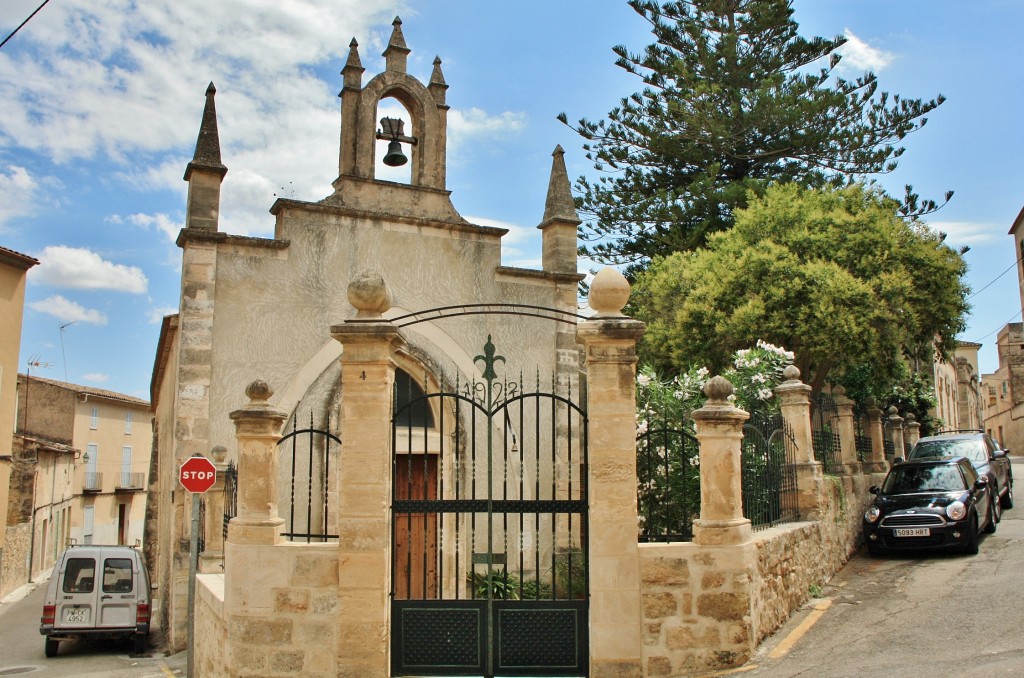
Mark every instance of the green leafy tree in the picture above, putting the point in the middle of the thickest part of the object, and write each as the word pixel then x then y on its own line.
pixel 733 99
pixel 834 274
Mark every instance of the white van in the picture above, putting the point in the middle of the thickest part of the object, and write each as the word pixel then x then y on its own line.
pixel 97 592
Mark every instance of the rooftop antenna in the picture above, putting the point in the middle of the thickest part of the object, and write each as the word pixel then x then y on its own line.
pixel 62 356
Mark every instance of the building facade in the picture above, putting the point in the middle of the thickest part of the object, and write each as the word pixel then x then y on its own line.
pixel 1003 390
pixel 82 461
pixel 14 537
pixel 968 386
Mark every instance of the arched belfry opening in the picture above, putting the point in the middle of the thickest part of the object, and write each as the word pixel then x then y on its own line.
pixel 369 130
pixel 395 150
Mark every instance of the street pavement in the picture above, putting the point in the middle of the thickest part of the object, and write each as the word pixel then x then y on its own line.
pixel 934 615
pixel 21 647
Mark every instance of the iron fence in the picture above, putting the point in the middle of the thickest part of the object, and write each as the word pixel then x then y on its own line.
pixel 230 495
pixel 768 471
pixel 825 433
pixel 668 492
pixel 307 453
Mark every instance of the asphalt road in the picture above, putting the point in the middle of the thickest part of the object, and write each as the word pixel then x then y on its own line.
pixel 932 615
pixel 21 649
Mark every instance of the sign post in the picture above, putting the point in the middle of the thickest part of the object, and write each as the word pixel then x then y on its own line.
pixel 197 475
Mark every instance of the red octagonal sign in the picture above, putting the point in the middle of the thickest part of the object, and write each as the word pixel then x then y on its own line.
pixel 197 475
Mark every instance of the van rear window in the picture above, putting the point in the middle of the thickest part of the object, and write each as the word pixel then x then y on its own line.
pixel 117 575
pixel 79 574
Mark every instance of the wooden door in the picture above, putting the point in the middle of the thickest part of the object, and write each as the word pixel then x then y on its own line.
pixel 415 553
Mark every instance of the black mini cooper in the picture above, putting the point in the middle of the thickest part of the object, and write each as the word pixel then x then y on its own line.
pixel 930 504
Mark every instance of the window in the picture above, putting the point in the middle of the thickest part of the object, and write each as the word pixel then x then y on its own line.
pixel 117 575
pixel 79 575
pixel 128 423
pixel 87 518
pixel 95 418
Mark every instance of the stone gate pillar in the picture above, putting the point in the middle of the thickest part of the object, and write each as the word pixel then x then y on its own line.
pixel 254 633
pixel 912 429
pixel 719 427
pixel 847 432
pixel 894 422
pixel 257 428
pixel 364 480
pixel 876 464
pixel 609 343
pixel 795 397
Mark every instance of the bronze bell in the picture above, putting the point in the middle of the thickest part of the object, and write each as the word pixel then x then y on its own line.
pixel 395 157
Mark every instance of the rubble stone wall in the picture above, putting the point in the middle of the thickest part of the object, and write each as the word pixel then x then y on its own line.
pixel 708 607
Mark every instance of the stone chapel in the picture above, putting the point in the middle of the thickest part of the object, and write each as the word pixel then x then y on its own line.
pixel 254 308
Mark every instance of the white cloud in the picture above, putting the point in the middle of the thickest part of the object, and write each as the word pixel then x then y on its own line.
pixel 967 233
pixel 114 76
pixel 860 56
pixel 79 268
pixel 66 310
pixel 126 80
pixel 18 189
pixel 161 222
pixel 475 122
pixel 155 316
pixel 95 378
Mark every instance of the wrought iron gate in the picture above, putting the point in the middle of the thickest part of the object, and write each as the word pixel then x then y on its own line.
pixel 489 529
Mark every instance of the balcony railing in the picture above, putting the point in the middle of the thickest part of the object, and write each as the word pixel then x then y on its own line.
pixel 93 482
pixel 129 481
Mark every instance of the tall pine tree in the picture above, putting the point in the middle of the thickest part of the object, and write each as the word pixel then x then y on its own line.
pixel 733 99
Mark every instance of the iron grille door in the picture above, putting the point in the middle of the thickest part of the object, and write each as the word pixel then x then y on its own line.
pixel 489 530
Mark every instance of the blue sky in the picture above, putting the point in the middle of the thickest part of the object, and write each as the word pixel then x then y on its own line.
pixel 102 102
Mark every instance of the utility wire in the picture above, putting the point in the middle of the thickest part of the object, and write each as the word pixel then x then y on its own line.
pixel 999 328
pixel 23 23
pixel 996 278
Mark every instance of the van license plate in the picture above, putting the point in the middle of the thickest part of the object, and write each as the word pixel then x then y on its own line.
pixel 76 615
pixel 912 532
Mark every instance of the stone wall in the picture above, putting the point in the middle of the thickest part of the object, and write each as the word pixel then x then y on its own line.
pixel 708 607
pixel 282 619
pixel 14 557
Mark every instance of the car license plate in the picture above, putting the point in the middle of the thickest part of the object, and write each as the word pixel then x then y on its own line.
pixel 912 531
pixel 76 615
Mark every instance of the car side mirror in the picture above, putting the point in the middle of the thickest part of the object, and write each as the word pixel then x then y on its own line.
pixel 897 460
pixel 981 482
pixel 999 454
pixel 874 489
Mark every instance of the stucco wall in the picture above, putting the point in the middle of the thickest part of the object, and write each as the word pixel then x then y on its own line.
pixel 210 627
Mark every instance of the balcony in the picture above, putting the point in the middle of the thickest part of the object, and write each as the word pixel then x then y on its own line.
pixel 129 482
pixel 126 481
pixel 93 482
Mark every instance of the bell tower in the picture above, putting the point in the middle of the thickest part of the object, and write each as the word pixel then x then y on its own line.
pixel 425 142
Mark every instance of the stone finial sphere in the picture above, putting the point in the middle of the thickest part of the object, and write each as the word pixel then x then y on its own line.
pixel 791 373
pixel 910 418
pixel 718 388
pixel 838 391
pixel 369 294
pixel 609 292
pixel 892 411
pixel 258 390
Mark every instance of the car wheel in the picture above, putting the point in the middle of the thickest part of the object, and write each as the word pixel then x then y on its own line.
pixel 1007 500
pixel 139 643
pixel 971 546
pixel 51 647
pixel 994 516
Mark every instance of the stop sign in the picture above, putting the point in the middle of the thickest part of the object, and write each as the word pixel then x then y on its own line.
pixel 197 475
